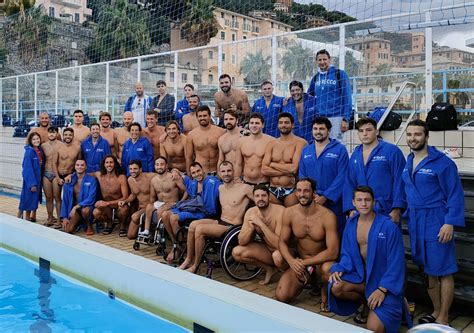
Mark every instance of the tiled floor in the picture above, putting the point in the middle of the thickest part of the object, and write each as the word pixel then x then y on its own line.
pixel 306 300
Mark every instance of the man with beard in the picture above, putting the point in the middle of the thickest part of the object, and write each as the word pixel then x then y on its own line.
pixel 139 183
pixel 50 186
pixel 325 162
pixel 234 198
pixel 263 220
pixel 435 200
pixel 269 106
pixel 164 193
pixel 201 144
pixel 317 244
pixel 78 199
pixel 43 127
pixel 190 120
pixel 137 148
pixel 182 106
pixel 228 143
pixel 64 161
pixel 105 120
pixel 280 162
pixel 229 98
pixel 81 132
pixel 139 104
pixel 303 109
pixel 379 165
pixel 122 134
pixel 94 149
pixel 173 148
pixel 114 188
pixel 153 132
pixel 250 152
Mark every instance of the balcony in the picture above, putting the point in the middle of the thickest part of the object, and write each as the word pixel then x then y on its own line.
pixel 69 3
pixel 234 25
pixel 255 30
pixel 246 27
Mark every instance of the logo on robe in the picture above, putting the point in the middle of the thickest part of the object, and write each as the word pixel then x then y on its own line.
pixel 332 155
pixel 425 171
pixel 379 158
pixel 382 235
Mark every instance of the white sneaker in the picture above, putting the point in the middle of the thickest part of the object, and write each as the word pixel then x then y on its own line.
pixel 145 233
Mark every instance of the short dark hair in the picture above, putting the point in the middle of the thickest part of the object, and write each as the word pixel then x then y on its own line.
pixel 137 162
pixel 195 96
pixel 188 85
pixel 323 51
pixel 117 168
pixel 94 124
pixel 232 113
pixel 152 113
pixel 309 180
pixel 262 187
pixel 295 83
pixel 258 116
pixel 287 115
pixel 78 111
pixel 226 163
pixel 68 129
pixel 363 189
pixel 419 122
pixel 104 114
pixel 322 121
pixel 30 138
pixel 163 158
pixel 161 83
pixel 52 129
pixel 264 83
pixel 135 124
pixel 173 122
pixel 195 164
pixel 364 121
pixel 223 76
pixel 203 108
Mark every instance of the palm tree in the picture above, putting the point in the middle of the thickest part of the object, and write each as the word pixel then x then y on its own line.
pixel 199 23
pixel 121 32
pixel 383 81
pixel 298 62
pixel 255 68
pixel 12 7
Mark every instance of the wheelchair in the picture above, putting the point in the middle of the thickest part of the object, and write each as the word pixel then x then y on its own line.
pixel 156 237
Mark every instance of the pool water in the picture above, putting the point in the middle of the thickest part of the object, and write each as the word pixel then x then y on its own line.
pixel 31 300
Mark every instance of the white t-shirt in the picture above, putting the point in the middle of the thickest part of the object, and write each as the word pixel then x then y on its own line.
pixel 138 110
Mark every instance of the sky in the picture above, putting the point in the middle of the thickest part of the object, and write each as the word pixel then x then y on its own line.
pixel 453 36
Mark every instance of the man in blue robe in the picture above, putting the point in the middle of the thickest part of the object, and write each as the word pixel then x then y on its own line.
pixel 378 164
pixel 94 149
pixel 269 106
pixel 137 148
pixel 435 201
pixel 325 161
pixel 371 267
pixel 79 197
pixel 302 107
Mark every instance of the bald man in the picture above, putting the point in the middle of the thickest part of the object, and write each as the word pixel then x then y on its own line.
pixel 122 134
pixel 139 104
pixel 42 129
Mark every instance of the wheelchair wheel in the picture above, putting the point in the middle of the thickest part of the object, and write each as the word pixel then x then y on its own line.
pixel 136 246
pixel 235 269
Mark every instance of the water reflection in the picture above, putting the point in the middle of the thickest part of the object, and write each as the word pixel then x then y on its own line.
pixel 46 316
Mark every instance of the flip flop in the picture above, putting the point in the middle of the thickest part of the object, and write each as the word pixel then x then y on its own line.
pixel 360 318
pixel 324 307
pixel 426 319
pixel 106 231
pixel 90 231
pixel 122 233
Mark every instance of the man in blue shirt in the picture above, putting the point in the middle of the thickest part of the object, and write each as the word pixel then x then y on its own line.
pixel 137 148
pixel 139 104
pixel 94 149
pixel 269 106
pixel 332 89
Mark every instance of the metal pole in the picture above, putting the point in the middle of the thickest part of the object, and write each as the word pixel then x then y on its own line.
pixel 342 47
pixel 445 87
pixel 219 60
pixel 139 69
pixel 274 59
pixel 1 99
pixel 107 82
pixel 36 97
pixel 428 64
pixel 17 99
pixel 80 88
pixel 175 68
pixel 56 89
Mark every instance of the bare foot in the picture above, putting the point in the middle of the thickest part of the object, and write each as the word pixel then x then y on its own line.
pixel 185 264
pixel 192 269
pixel 170 257
pixel 269 272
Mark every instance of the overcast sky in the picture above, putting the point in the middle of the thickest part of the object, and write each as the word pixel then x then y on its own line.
pixel 453 36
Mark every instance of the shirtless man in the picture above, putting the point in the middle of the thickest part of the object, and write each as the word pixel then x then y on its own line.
pixel 78 199
pixel 114 189
pixel 164 193
pixel 263 220
pixel 228 143
pixel 105 120
pixel 42 128
pixel 122 134
pixel 139 183
pixel 229 98
pixel 50 186
pixel 234 198
pixel 190 120
pixel 173 148
pixel 250 152
pixel 153 132
pixel 317 244
pixel 281 161
pixel 81 132
pixel 64 161
pixel 201 144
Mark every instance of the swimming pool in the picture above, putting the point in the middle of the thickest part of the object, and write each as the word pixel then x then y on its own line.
pixel 32 299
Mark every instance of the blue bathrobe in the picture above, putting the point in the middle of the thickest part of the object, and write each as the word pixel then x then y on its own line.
pixel 94 154
pixel 303 130
pixel 385 267
pixel 329 171
pixel 270 114
pixel 32 176
pixel 140 150
pixel 435 197
pixel 382 173
pixel 87 194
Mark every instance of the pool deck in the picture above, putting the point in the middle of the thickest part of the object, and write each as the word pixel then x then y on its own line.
pixel 459 320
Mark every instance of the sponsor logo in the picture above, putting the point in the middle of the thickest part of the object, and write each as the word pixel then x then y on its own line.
pixel 306 156
pixel 87 184
pixel 379 158
pixel 381 235
pixel 139 149
pixel 332 155
pixel 326 82
pixel 426 171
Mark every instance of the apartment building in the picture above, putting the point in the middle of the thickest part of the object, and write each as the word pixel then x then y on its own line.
pixel 376 51
pixel 70 10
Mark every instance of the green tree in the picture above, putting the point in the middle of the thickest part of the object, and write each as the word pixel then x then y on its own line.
pixel 121 32
pixel 255 68
pixel 351 64
pixel 12 7
pixel 199 23
pixel 298 62
pixel 383 81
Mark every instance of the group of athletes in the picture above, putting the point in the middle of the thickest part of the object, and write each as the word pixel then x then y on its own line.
pixel 305 207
